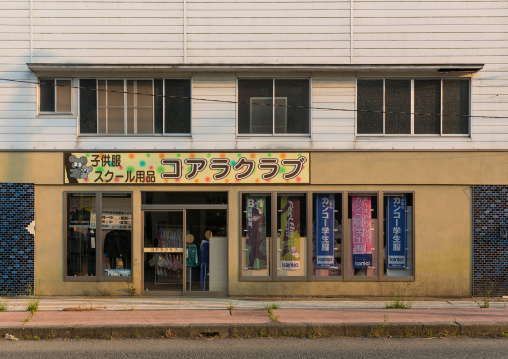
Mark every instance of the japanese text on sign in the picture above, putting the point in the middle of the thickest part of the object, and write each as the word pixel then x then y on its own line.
pixel 185 168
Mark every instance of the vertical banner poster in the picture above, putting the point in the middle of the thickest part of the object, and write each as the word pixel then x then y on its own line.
pixel 79 211
pixel 362 233
pixel 325 220
pixel 396 232
pixel 256 232
pixel 290 239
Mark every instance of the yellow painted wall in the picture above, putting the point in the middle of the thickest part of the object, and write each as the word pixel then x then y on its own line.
pixel 442 206
pixel 31 167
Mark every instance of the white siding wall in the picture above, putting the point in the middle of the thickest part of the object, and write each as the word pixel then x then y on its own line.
pixel 252 32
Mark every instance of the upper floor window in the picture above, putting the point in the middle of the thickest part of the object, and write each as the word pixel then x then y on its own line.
pixel 273 106
pixel 55 96
pixel 413 107
pixel 144 107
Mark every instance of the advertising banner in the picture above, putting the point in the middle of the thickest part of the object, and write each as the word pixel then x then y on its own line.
pixel 396 232
pixel 185 168
pixel 290 237
pixel 256 232
pixel 80 211
pixel 362 231
pixel 325 236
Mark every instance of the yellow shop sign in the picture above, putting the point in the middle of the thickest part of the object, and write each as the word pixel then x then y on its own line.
pixel 186 168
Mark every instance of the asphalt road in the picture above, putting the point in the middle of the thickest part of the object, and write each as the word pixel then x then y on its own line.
pixel 258 348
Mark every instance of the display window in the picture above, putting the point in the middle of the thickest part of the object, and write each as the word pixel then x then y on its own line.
pixel 99 236
pixel 256 235
pixel 291 234
pixel 327 235
pixel 81 236
pixel 398 235
pixel 363 234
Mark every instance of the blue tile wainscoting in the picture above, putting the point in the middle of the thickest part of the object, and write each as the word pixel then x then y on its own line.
pixel 16 242
pixel 490 249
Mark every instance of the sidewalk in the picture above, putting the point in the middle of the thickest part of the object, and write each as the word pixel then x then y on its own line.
pixel 72 317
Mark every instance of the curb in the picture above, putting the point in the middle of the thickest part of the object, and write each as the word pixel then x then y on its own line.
pixel 256 330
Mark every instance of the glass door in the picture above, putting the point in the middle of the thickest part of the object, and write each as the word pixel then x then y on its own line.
pixel 164 239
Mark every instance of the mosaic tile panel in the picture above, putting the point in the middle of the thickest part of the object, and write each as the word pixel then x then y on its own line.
pixel 490 249
pixel 16 242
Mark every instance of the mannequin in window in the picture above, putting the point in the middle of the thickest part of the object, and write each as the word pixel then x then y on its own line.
pixel 204 251
pixel 112 247
pixel 90 251
pixel 75 242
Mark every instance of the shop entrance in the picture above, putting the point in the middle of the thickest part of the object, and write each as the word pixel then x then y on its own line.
pixel 185 245
pixel 164 267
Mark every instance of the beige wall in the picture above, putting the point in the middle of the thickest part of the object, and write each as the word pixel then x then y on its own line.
pixel 442 249
pixel 442 206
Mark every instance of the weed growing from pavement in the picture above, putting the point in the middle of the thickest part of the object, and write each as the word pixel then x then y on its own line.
pixel 486 295
pixel 3 304
pixel 399 299
pixel 273 317
pixel 272 306
pixel 231 307
pixel 33 301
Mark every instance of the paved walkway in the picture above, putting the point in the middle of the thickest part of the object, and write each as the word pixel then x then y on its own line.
pixel 70 317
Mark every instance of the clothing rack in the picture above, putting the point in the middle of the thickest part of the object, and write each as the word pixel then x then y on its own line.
pixel 168 236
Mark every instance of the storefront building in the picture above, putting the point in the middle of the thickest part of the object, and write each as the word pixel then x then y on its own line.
pixel 253 149
pixel 320 236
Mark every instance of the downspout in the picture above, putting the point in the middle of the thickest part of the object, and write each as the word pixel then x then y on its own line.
pixel 31 32
pixel 184 31
pixel 351 40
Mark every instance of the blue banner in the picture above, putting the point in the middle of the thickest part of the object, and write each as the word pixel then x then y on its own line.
pixel 325 236
pixel 396 232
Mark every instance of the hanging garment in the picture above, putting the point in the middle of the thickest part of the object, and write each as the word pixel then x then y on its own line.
pixel 191 259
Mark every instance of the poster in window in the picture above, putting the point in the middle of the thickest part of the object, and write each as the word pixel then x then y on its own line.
pixel 396 232
pixel 325 236
pixel 256 232
pixel 79 211
pixel 290 239
pixel 362 231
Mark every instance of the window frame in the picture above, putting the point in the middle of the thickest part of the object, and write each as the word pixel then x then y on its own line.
pixel 125 106
pixel 191 110
pixel 163 110
pixel 412 104
pixel 242 251
pixel 273 79
pixel 383 277
pixel 99 277
pixel 310 264
pixel 377 241
pixel 55 94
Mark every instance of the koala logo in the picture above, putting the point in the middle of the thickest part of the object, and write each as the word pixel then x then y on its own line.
pixel 79 168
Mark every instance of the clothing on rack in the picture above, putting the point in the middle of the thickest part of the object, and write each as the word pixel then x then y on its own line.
pixel 75 246
pixel 117 244
pixel 192 255
pixel 90 251
pixel 204 273
pixel 169 236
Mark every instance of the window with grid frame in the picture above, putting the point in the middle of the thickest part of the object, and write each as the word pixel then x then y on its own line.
pixel 55 96
pixel 273 106
pixel 135 107
pixel 413 106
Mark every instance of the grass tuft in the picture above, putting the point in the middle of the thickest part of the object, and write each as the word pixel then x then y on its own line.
pixel 399 299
